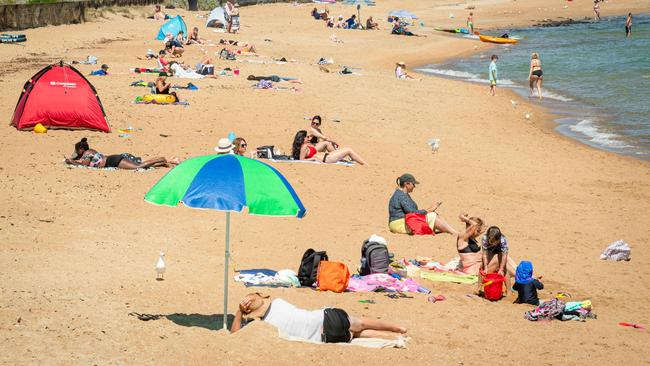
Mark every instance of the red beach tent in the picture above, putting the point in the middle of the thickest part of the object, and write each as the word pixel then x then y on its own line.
pixel 59 96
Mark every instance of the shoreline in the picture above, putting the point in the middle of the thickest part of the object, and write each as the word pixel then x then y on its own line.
pixel 554 112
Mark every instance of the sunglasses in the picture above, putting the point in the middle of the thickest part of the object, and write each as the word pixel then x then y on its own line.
pixel 316 123
pixel 243 145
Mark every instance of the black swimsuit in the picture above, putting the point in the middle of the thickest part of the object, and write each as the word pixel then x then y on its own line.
pixel 538 73
pixel 472 247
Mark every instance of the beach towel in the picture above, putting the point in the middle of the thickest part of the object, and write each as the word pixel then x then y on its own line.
pixel 145 70
pixel 449 277
pixel 107 169
pixel 346 163
pixel 267 278
pixel 360 342
pixel 617 251
pixel 381 282
pixel 151 84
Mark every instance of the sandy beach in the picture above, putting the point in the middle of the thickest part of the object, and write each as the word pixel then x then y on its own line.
pixel 78 247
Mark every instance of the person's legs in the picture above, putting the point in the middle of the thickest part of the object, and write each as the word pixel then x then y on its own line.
pixel 539 87
pixel 531 82
pixel 338 155
pixel 370 333
pixel 443 226
pixel 363 323
pixel 324 146
pixel 154 163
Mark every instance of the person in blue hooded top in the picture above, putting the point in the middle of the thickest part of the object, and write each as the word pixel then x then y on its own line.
pixel 526 285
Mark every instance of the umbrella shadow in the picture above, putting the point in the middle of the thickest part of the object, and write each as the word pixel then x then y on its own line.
pixel 212 322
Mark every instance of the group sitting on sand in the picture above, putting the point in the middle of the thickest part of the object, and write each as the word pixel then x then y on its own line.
pixel 327 325
pixel 85 156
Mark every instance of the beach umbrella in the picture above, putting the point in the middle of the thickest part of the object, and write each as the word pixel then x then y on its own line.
pixel 227 183
pixel 402 14
pixel 358 4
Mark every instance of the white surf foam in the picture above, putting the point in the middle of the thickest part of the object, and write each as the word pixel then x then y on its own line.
pixel 550 95
pixel 452 73
pixel 589 129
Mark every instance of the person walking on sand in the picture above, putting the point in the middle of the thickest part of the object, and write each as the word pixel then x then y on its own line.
pixel 628 25
pixel 535 75
pixel 492 71
pixel 596 11
pixel 470 23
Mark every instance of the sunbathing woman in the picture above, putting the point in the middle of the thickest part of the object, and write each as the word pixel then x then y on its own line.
pixel 401 204
pixel 328 325
pixel 469 250
pixel 86 156
pixel 319 137
pixel 302 149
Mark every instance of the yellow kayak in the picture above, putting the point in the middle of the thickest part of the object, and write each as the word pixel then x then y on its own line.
pixel 499 40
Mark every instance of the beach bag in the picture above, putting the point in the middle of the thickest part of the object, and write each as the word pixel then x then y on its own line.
pixel 308 270
pixel 493 286
pixel 418 224
pixel 617 251
pixel 374 258
pixel 265 152
pixel 332 276
pixel 546 311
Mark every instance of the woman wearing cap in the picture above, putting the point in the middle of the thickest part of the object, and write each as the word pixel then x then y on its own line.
pixel 328 325
pixel 400 71
pixel 303 149
pixel 401 204
pixel 85 156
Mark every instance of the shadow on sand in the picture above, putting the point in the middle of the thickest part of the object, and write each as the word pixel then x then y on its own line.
pixel 212 322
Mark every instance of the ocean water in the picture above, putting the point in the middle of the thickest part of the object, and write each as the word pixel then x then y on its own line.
pixel 595 79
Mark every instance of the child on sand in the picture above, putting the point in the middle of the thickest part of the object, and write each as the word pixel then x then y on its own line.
pixel 103 71
pixel 328 325
pixel 526 285
pixel 492 71
pixel 470 23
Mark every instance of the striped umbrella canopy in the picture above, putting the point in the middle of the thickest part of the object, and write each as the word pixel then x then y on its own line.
pixel 227 183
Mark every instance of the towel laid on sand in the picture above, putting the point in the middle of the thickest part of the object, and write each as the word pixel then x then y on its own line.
pixel 361 342
pixel 448 277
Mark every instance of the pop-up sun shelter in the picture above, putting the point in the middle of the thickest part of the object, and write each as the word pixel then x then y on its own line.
pixel 217 18
pixel 59 96
pixel 173 26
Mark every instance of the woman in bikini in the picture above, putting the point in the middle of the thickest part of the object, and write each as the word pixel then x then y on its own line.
pixel 86 156
pixel 163 87
pixel 303 149
pixel 467 244
pixel 535 75
pixel 193 38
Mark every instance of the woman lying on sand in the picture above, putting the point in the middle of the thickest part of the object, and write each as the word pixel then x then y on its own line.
pixel 302 149
pixel 469 250
pixel 401 204
pixel 86 156
pixel 318 138
pixel 328 325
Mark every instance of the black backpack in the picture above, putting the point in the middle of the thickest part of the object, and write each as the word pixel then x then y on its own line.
pixel 309 266
pixel 374 258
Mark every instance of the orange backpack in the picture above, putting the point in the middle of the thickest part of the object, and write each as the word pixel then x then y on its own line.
pixel 333 276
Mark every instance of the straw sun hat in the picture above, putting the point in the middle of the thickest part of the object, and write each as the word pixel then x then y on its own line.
pixel 224 146
pixel 401 63
pixel 258 307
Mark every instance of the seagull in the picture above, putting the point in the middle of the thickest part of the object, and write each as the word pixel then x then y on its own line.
pixel 434 144
pixel 160 267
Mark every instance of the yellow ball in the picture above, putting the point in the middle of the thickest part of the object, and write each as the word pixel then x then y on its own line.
pixel 39 128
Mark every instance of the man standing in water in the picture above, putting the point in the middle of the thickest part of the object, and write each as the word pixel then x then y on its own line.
pixel 628 25
pixel 493 75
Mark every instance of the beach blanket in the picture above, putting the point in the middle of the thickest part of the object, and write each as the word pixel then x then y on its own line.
pixel 448 277
pixel 107 169
pixel 346 163
pixel 267 278
pixel 360 342
pixel 151 84
pixel 145 70
pixel 381 282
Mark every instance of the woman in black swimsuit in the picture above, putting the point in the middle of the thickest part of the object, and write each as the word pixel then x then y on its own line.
pixel 535 75
pixel 162 87
pixel 469 250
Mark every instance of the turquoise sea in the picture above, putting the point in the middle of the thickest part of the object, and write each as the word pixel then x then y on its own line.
pixel 595 79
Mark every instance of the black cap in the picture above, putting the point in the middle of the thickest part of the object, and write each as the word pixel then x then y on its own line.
pixel 406 178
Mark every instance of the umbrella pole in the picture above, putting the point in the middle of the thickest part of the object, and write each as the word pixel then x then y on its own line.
pixel 225 273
